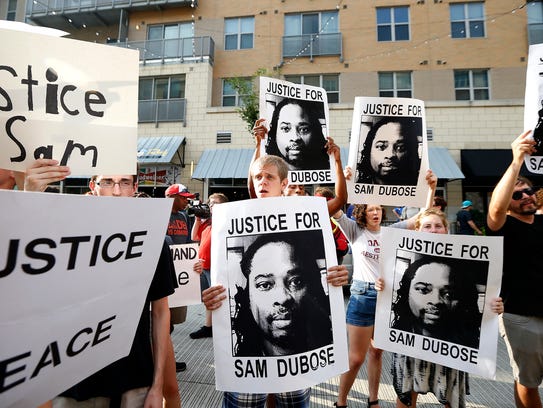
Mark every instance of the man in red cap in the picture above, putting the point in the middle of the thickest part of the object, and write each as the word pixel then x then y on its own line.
pixel 179 225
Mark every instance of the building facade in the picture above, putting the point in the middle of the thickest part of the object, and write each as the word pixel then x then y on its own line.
pixel 466 59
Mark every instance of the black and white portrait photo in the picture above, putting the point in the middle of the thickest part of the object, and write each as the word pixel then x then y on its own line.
pixel 390 152
pixel 283 308
pixel 533 108
pixel 440 297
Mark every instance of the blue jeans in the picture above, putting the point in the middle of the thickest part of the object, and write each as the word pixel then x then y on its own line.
pixel 361 307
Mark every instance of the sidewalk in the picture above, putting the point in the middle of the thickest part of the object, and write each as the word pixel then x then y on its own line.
pixel 197 384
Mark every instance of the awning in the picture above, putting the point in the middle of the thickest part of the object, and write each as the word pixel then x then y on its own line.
pixel 160 149
pixel 223 163
pixel 485 162
pixel 441 163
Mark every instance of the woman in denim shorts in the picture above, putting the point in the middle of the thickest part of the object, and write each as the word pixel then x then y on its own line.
pixel 364 235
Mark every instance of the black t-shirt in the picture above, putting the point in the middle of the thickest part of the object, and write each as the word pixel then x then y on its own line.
pixel 522 279
pixel 136 369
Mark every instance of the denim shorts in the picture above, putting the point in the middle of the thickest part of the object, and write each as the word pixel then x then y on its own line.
pixel 361 307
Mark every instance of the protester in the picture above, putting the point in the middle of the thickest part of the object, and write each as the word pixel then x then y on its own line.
pixel 440 203
pixel 364 234
pixel 391 153
pixel 512 214
pixel 201 231
pixel 412 376
pixel 464 220
pixel 268 178
pixel 295 190
pixel 296 135
pixel 135 380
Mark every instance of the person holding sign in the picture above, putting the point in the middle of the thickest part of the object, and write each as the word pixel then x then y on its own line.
pixel 391 153
pixel 425 293
pixel 268 178
pixel 512 214
pixel 296 135
pixel 364 234
pixel 201 231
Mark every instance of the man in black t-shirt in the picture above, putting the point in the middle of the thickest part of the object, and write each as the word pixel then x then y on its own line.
pixel 512 214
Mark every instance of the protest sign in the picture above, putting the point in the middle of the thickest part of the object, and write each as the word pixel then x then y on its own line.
pixel 74 276
pixel 189 291
pixel 533 106
pixel 69 100
pixel 388 154
pixel 297 120
pixel 282 327
pixel 436 305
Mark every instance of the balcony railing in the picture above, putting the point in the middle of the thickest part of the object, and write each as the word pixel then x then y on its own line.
pixel 162 110
pixel 311 45
pixel 43 7
pixel 190 49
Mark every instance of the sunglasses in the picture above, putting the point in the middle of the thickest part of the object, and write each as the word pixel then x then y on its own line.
pixel 517 195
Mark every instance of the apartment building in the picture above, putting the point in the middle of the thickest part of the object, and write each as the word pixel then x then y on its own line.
pixel 465 58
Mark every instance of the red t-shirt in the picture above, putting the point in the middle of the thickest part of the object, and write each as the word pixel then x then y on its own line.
pixel 204 251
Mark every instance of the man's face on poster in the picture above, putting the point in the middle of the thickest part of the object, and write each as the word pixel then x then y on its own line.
pixel 389 153
pixel 294 134
pixel 276 292
pixel 431 296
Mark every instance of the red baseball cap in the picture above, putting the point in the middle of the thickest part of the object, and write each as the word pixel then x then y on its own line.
pixel 178 189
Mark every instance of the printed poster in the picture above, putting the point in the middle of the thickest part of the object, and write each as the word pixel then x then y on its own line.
pixel 298 124
pixel 74 274
pixel 282 327
pixel 436 305
pixel 189 291
pixel 73 101
pixel 388 154
pixel 533 107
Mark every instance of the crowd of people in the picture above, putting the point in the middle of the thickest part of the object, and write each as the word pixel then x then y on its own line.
pixel 431 294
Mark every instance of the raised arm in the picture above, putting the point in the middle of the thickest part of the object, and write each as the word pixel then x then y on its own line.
pixel 43 172
pixel 259 131
pixel 340 198
pixel 501 196
pixel 431 179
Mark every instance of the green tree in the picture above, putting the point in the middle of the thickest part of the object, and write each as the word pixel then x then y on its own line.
pixel 247 88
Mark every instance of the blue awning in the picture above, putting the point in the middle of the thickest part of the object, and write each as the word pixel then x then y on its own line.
pixel 223 163
pixel 234 163
pixel 159 149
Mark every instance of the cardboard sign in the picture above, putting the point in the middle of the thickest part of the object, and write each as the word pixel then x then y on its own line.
pixel 388 154
pixel 437 297
pixel 69 100
pixel 533 106
pixel 298 124
pixel 74 276
pixel 282 327
pixel 189 291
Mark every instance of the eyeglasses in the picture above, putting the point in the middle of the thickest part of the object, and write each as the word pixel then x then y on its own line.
pixel 517 195
pixel 109 183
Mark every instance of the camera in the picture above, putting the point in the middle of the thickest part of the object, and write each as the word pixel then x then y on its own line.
pixel 198 209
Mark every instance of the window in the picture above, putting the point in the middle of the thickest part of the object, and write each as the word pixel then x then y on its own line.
pixel 12 10
pixel 162 88
pixel 238 33
pixel 311 23
pixel 393 23
pixel 169 31
pixel 395 84
pixel 330 83
pixel 230 96
pixel 169 40
pixel 534 10
pixel 467 20
pixel 471 85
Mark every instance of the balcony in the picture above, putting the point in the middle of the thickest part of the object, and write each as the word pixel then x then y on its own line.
pixel 70 14
pixel 312 45
pixel 190 49
pixel 162 110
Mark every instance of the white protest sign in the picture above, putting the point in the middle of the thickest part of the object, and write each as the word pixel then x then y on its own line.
pixel 533 106
pixel 298 124
pixel 436 305
pixel 282 327
pixel 74 276
pixel 72 101
pixel 189 291
pixel 388 154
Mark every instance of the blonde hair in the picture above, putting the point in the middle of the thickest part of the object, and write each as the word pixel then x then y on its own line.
pixel 271 160
pixel 432 211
